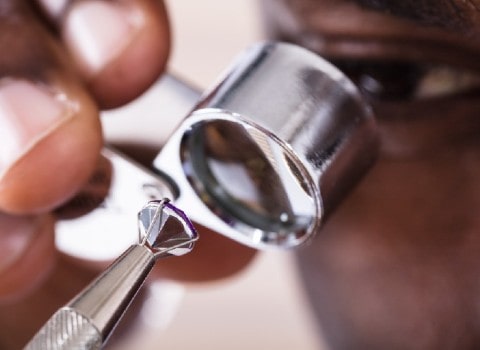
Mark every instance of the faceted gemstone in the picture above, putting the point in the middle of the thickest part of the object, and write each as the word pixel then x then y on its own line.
pixel 166 229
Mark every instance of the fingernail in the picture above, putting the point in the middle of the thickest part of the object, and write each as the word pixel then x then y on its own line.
pixel 28 112
pixel 97 32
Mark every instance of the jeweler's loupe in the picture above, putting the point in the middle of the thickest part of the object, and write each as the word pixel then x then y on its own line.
pixel 263 158
pixel 267 154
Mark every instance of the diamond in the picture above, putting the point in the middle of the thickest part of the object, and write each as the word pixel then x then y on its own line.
pixel 165 229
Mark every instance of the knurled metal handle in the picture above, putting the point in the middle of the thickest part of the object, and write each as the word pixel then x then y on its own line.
pixel 67 329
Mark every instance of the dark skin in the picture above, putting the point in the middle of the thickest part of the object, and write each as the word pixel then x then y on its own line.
pixel 396 266
pixel 48 58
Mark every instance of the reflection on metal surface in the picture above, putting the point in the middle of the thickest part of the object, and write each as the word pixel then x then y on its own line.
pixel 269 152
pixel 129 186
pixel 90 318
pixel 263 159
pixel 105 232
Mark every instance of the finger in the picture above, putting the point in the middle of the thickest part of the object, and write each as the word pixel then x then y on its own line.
pixel 27 247
pixel 120 46
pixel 49 130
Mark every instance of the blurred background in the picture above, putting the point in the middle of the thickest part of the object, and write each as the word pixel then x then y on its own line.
pixel 263 307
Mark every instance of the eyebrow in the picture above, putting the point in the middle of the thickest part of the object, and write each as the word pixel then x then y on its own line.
pixel 447 14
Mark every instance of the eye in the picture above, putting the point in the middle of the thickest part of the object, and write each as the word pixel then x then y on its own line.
pixel 391 80
pixel 406 80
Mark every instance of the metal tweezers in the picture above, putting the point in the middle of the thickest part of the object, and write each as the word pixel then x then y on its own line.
pixel 90 318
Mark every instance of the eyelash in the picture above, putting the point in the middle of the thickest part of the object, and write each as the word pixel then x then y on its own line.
pixel 405 80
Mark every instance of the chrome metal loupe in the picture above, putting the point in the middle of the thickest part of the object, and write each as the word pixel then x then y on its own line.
pixel 262 158
pixel 271 149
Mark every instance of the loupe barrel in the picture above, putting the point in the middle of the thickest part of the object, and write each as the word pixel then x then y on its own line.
pixel 270 151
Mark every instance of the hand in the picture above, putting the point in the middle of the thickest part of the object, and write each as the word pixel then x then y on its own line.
pixel 54 73
pixel 61 62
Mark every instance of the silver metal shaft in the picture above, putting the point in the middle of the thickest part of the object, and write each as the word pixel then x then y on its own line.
pixel 90 318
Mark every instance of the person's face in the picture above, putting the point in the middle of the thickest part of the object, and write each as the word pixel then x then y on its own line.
pixel 398 264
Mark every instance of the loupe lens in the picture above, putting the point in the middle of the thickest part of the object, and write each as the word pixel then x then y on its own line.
pixel 248 178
